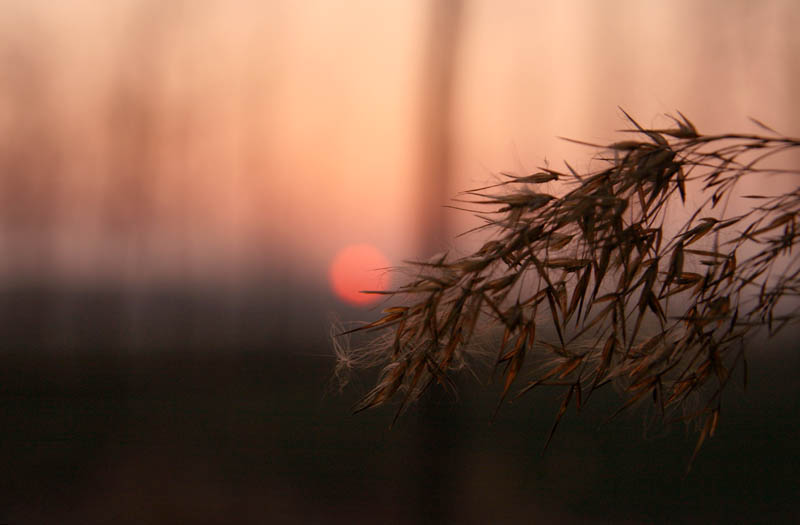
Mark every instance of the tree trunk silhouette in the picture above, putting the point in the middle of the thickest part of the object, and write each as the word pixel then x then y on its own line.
pixel 436 424
pixel 439 68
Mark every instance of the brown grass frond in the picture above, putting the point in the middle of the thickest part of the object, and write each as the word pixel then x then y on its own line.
pixel 677 291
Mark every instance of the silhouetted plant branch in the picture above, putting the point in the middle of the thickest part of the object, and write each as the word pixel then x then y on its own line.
pixel 593 264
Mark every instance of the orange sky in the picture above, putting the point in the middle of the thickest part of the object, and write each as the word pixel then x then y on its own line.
pixel 205 140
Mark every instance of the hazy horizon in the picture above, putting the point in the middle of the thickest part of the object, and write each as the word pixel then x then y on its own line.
pixel 211 143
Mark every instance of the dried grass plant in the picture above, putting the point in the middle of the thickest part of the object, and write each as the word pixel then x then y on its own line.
pixel 635 276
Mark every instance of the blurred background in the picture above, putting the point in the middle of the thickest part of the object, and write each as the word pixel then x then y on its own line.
pixel 177 179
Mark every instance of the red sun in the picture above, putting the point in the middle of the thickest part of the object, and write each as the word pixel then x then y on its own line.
pixel 356 268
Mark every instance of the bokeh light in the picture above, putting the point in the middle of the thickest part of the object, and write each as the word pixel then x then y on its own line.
pixel 358 268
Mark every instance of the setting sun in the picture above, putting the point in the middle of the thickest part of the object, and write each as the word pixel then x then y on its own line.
pixel 357 268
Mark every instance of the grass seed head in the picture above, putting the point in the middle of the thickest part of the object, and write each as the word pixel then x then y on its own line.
pixel 659 332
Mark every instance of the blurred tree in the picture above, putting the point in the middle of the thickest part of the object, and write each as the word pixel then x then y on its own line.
pixel 437 438
pixel 436 137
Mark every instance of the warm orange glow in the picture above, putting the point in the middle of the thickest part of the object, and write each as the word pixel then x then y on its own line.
pixel 357 268
pixel 194 146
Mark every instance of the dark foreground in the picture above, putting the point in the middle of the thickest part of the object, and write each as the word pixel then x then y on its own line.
pixel 251 439
pixel 99 433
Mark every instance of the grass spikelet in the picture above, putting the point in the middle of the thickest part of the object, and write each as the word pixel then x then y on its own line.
pixel 677 291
